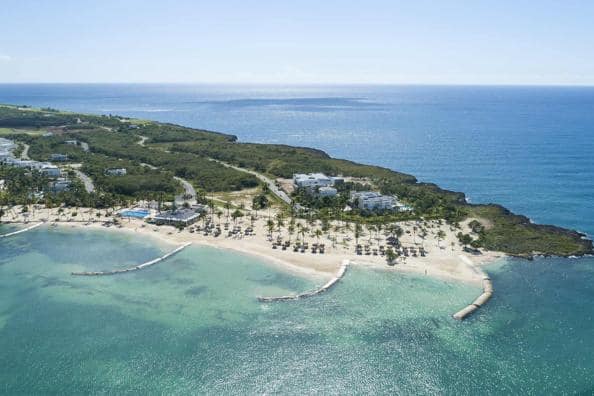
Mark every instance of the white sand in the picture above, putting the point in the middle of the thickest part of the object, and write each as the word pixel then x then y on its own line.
pixel 443 259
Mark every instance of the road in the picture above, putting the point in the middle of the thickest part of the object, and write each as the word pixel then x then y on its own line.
pixel 271 183
pixel 189 191
pixel 142 140
pixel 25 152
pixel 89 186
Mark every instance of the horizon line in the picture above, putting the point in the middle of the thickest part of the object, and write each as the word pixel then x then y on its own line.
pixel 228 83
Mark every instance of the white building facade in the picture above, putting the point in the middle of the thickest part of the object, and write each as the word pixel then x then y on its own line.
pixel 312 180
pixel 370 200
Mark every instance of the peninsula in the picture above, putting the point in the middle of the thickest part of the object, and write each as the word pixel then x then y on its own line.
pixel 293 205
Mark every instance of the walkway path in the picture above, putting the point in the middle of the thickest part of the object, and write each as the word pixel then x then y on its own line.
pixel 271 183
pixel 21 231
pixel 480 300
pixel 138 267
pixel 142 140
pixel 325 287
pixel 189 190
pixel 89 186
pixel 25 152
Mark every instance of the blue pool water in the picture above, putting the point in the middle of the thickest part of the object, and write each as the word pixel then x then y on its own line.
pixel 140 214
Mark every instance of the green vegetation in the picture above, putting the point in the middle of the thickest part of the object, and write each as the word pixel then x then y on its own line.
pixel 172 150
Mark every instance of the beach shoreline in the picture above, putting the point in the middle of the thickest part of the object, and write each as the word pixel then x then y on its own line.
pixel 445 260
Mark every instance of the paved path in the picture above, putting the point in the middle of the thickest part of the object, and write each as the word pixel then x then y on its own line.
pixel 25 152
pixel 142 140
pixel 271 183
pixel 188 190
pixel 89 186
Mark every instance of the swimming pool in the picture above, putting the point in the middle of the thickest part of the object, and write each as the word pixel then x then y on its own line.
pixel 138 213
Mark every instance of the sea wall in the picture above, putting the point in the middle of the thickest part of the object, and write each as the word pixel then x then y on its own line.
pixel 136 268
pixel 480 300
pixel 341 272
pixel 21 231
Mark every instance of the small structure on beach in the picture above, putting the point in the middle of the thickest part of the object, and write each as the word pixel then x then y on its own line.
pixel 177 217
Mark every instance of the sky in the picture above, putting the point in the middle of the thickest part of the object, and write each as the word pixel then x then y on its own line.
pixel 298 42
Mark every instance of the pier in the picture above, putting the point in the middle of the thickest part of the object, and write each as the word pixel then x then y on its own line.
pixel 136 268
pixel 341 272
pixel 21 231
pixel 480 300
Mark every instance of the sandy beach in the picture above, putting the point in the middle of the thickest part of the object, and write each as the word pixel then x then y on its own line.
pixel 445 258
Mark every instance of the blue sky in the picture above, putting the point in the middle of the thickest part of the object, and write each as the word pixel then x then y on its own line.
pixel 432 42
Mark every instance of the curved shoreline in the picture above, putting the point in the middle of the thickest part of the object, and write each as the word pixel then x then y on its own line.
pixel 325 287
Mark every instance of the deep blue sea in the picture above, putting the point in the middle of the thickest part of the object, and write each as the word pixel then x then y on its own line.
pixel 528 148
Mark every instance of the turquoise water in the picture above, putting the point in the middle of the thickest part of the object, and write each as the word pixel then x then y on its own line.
pixel 192 325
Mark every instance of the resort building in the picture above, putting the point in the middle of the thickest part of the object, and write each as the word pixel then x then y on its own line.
pixel 60 185
pixel 370 200
pixel 50 170
pixel 59 157
pixel 115 172
pixel 327 192
pixel 311 180
pixel 71 142
pixel 176 217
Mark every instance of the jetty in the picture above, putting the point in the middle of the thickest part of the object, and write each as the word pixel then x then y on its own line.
pixel 21 231
pixel 480 300
pixel 136 268
pixel 341 272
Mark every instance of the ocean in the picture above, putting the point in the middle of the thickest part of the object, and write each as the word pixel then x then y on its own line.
pixel 194 326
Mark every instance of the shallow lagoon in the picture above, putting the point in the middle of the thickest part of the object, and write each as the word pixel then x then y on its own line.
pixel 192 324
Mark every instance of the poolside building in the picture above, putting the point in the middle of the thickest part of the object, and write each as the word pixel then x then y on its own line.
pixel 177 217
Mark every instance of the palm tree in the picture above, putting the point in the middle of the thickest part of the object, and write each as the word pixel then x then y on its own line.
pixel 358 230
pixel 291 230
pixel 236 213
pixel 390 256
pixel 440 235
pixel 318 233
pixel 270 225
pixel 228 207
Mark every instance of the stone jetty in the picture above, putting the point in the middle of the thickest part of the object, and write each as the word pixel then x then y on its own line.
pixel 341 272
pixel 21 231
pixel 480 300
pixel 136 268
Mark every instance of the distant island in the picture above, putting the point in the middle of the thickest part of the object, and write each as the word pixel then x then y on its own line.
pixel 293 205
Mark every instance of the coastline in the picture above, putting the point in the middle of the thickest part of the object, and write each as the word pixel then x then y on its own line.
pixel 445 260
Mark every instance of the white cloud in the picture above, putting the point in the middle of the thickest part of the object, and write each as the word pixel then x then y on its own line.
pixel 5 58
